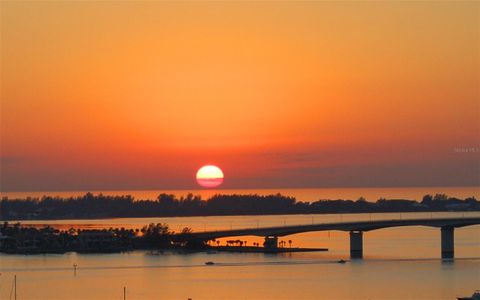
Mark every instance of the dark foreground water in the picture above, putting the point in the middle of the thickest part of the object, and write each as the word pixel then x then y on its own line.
pixel 400 263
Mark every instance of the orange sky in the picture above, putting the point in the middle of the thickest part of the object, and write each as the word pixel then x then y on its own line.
pixel 124 95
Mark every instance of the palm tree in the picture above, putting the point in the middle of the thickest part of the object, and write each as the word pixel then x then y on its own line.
pixel 290 242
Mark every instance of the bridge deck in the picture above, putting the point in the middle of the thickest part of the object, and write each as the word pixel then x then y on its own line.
pixel 342 226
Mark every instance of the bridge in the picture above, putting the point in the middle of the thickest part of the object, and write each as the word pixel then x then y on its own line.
pixel 356 229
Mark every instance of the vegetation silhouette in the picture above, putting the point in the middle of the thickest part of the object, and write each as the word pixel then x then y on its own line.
pixel 15 238
pixel 90 206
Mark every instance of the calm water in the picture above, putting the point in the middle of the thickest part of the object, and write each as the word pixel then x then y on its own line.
pixel 312 194
pixel 400 263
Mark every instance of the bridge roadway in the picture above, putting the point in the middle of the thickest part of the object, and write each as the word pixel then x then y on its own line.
pixel 356 230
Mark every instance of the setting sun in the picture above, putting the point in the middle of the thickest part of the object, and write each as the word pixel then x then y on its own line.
pixel 347 130
pixel 209 176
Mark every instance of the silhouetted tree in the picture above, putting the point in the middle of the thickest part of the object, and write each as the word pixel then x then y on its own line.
pixel 427 200
pixel 102 206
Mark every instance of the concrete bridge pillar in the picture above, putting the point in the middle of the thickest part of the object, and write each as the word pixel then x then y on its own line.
pixel 447 242
pixel 271 242
pixel 356 244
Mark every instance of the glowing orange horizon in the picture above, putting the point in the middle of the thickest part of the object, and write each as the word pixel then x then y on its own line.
pixel 282 93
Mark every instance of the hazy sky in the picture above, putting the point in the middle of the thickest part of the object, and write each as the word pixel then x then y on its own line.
pixel 124 95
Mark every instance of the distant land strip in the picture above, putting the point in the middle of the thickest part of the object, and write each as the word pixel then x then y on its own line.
pixel 90 206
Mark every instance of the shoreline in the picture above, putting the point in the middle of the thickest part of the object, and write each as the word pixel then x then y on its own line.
pixel 250 249
pixel 90 206
pixel 208 250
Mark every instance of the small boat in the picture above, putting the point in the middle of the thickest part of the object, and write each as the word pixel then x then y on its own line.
pixel 342 261
pixel 475 296
pixel 209 263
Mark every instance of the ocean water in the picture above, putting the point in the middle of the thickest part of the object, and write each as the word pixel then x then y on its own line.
pixel 399 263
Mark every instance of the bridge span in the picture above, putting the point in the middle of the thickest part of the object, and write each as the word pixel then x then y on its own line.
pixel 356 229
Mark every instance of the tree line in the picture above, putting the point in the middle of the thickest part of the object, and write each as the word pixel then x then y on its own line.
pixel 25 239
pixel 90 206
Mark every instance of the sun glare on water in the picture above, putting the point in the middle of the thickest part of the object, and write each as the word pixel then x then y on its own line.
pixel 209 176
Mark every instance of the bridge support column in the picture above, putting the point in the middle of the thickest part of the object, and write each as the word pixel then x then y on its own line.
pixel 447 242
pixel 271 243
pixel 356 244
